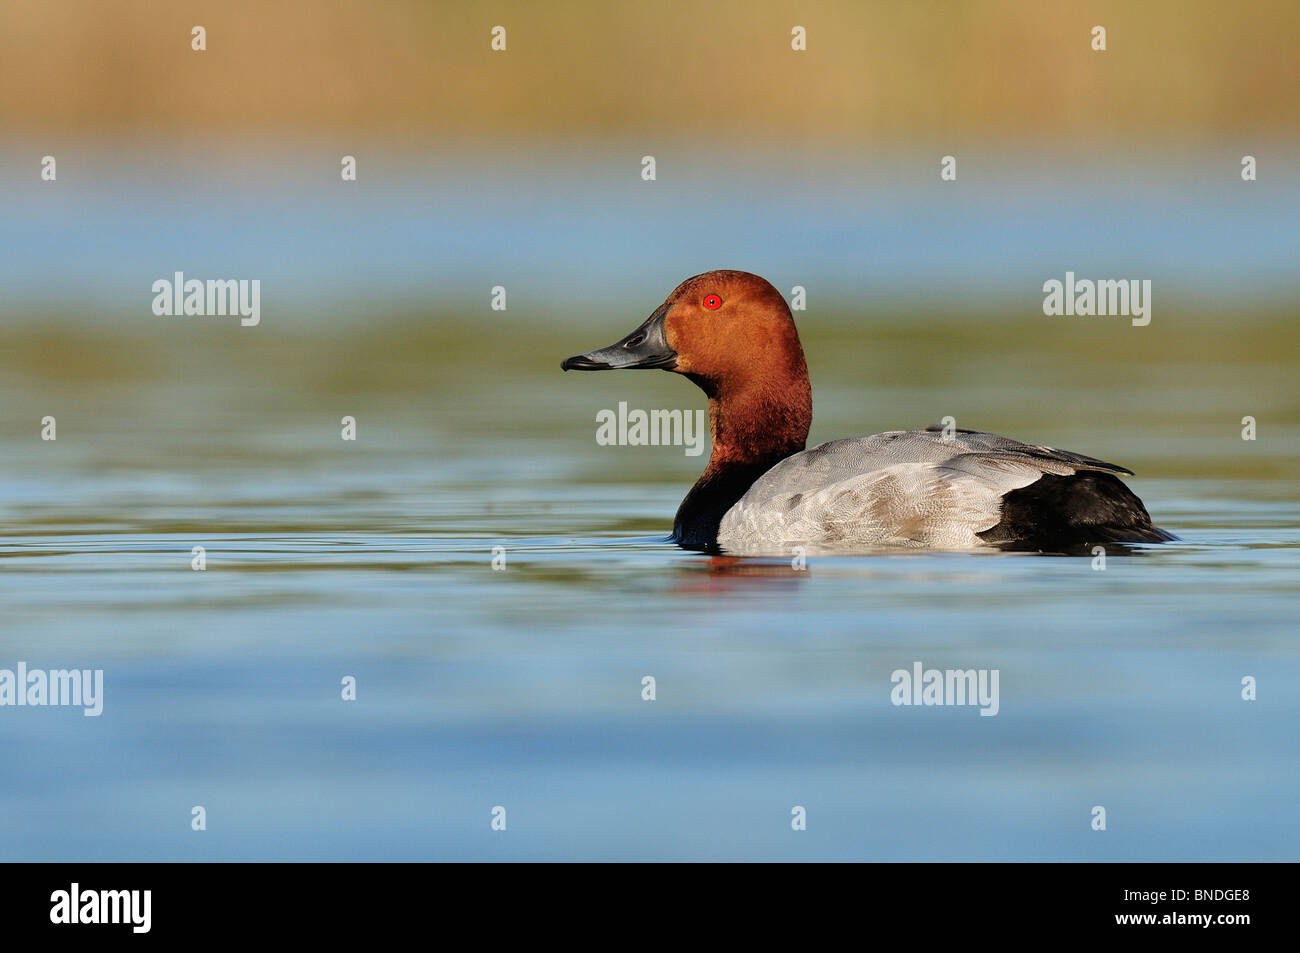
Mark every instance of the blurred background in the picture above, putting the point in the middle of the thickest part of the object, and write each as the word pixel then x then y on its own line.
pixel 523 169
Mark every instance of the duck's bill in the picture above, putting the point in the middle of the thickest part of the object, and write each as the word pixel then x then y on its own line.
pixel 645 347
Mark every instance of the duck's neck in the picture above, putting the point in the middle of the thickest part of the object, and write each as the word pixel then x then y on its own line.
pixel 754 428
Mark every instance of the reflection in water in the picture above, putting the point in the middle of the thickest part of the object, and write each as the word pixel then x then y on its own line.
pixel 735 573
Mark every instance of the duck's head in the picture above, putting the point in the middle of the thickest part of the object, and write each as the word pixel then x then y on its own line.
pixel 725 330
pixel 732 334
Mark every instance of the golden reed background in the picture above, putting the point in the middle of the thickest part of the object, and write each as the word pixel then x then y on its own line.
pixel 722 71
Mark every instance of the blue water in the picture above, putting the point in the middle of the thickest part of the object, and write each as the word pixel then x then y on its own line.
pixel 572 227
pixel 522 687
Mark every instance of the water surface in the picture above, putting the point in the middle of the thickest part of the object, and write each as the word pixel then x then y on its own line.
pixel 521 687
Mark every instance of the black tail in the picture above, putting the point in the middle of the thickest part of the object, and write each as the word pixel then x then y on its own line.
pixel 1064 513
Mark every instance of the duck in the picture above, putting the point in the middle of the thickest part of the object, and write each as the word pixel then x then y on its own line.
pixel 764 492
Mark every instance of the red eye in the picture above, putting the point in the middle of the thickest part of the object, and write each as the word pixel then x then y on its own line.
pixel 712 302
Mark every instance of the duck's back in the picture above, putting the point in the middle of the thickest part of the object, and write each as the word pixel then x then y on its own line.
pixel 927 489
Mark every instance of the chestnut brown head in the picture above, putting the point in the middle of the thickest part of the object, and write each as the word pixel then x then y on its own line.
pixel 725 330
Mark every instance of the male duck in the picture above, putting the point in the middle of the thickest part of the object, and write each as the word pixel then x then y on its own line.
pixel 733 335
